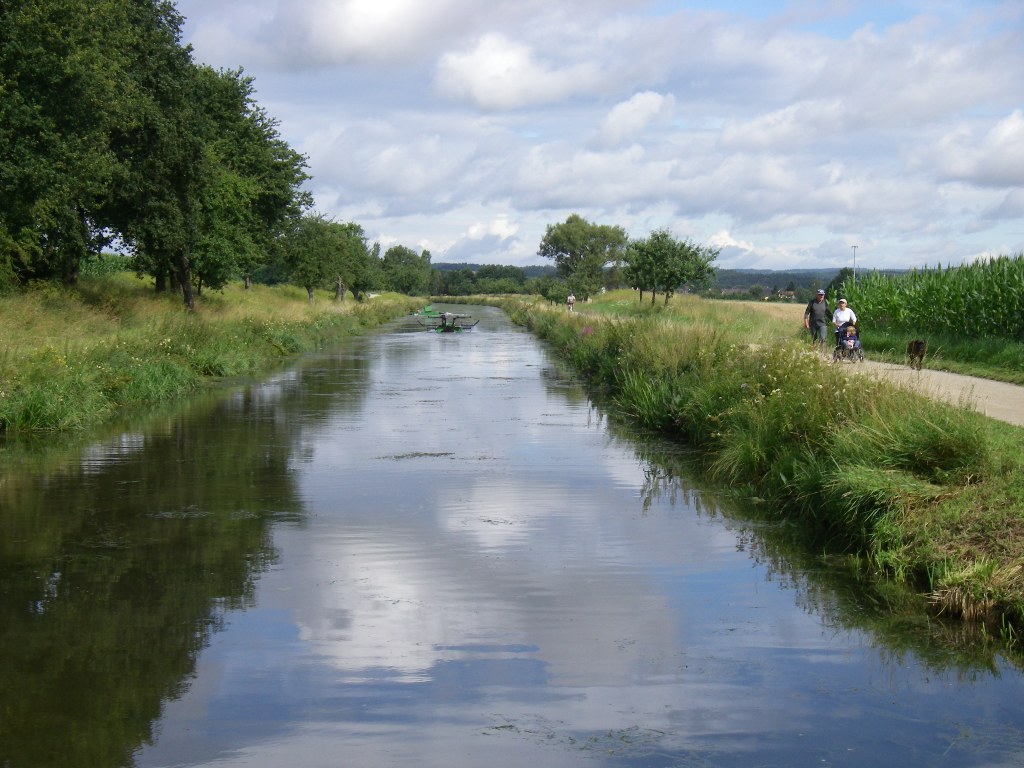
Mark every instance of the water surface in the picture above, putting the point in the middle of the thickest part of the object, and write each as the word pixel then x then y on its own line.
pixel 435 550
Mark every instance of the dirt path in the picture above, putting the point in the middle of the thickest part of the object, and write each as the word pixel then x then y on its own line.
pixel 995 399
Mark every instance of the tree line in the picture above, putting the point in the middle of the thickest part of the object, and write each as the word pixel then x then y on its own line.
pixel 589 258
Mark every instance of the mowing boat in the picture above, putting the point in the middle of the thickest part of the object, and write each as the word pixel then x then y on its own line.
pixel 449 322
pixel 427 311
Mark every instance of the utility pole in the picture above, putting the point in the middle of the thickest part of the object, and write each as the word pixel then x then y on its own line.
pixel 854 264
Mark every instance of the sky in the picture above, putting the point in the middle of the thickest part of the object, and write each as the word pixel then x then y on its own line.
pixel 789 135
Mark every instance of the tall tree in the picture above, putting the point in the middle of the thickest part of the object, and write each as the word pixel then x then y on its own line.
pixel 63 72
pixel 307 252
pixel 406 272
pixel 251 187
pixel 108 128
pixel 156 204
pixel 660 262
pixel 350 263
pixel 581 251
pixel 363 281
pixel 319 253
pixel 641 271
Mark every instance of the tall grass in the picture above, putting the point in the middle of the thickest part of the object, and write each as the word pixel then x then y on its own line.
pixel 70 358
pixel 864 466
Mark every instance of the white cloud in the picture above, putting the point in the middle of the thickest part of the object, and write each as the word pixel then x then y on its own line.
pixel 499 227
pixel 792 127
pixel 873 123
pixel 628 119
pixel 499 73
pixel 994 159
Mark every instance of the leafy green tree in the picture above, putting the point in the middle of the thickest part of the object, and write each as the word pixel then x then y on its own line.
pixel 108 128
pixel 304 253
pixel 157 203
pixel 457 282
pixel 350 261
pixel 406 272
pixel 252 186
pixel 581 251
pixel 319 252
pixel 63 74
pixel 210 181
pixel 662 263
pixel 539 286
pixel 555 290
pixel 362 282
pixel 641 271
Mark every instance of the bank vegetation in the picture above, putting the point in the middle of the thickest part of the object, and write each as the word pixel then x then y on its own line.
pixel 73 357
pixel 926 493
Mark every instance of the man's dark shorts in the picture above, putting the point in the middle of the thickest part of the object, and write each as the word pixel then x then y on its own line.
pixel 819 331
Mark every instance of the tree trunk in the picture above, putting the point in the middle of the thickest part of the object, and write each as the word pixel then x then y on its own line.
pixel 248 282
pixel 339 290
pixel 309 292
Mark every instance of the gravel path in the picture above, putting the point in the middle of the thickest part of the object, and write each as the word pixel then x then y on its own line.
pixel 995 399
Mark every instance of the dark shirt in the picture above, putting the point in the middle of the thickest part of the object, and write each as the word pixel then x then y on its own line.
pixel 817 312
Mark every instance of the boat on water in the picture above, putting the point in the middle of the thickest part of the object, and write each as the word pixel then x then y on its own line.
pixel 449 322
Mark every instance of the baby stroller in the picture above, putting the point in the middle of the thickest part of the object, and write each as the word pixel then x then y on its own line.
pixel 848 344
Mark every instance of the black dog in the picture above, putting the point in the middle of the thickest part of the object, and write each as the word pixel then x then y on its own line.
pixel 915 352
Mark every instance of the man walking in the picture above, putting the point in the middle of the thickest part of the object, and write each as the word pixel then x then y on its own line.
pixel 816 318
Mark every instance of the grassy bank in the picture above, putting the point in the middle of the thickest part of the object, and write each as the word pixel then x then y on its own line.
pixel 920 491
pixel 71 358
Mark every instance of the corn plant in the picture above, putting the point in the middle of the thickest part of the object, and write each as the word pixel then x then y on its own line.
pixel 970 301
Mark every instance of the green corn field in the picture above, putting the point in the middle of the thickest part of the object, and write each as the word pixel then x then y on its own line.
pixel 969 301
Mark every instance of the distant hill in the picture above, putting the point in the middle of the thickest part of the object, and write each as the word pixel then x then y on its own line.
pixel 744 278
pixel 535 270
pixel 725 279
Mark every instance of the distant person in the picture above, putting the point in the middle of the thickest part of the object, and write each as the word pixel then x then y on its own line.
pixel 841 317
pixel 816 319
pixel 570 301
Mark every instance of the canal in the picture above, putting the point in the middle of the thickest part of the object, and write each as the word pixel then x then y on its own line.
pixel 435 550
